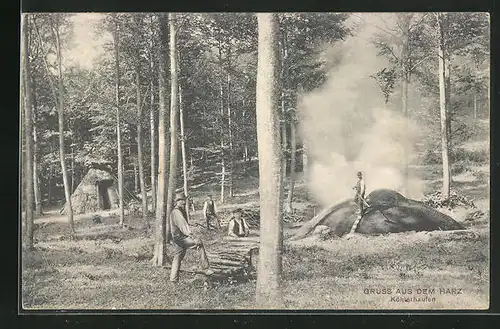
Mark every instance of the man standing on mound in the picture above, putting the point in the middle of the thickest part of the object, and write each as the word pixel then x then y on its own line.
pixel 182 238
pixel 359 197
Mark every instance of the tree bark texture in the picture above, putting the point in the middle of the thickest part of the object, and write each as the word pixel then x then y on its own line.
pixel 140 151
pixel 26 92
pixel 174 117
pixel 161 222
pixel 268 292
pixel 443 111
pixel 60 110
pixel 118 121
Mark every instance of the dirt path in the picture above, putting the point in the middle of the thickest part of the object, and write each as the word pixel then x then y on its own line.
pixel 53 216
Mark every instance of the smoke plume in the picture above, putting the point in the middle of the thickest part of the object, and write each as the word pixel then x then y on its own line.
pixel 348 128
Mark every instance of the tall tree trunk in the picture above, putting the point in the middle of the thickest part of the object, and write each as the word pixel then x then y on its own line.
pixel 136 177
pixel 475 106
pixel 245 145
pixel 49 192
pixel 26 87
pixel 284 90
pixel 140 152
pixel 152 128
pixel 404 21
pixel 293 155
pixel 174 116
pixel 223 164
pixel 447 73
pixel 443 111
pixel 404 98
pixel 284 141
pixel 229 128
pixel 36 181
pixel 72 166
pixel 22 155
pixel 118 122
pixel 268 291
pixel 183 151
pixel 62 153
pixel 161 222
pixel 304 159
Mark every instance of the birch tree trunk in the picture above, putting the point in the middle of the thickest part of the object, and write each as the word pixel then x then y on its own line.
pixel 27 94
pixel 229 122
pixel 49 192
pixel 22 155
pixel 36 181
pixel 293 155
pixel 475 106
pixel 118 121
pixel 405 145
pixel 304 159
pixel 174 98
pixel 183 150
pixel 140 152
pixel 72 166
pixel 268 291
pixel 284 142
pixel 283 80
pixel 405 20
pixel 447 66
pixel 223 164
pixel 60 108
pixel 161 223
pixel 152 126
pixel 443 111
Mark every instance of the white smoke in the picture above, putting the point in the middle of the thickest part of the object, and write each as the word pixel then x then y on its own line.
pixel 348 128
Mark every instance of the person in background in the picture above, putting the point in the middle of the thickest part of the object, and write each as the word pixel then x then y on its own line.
pixel 359 197
pixel 209 212
pixel 237 225
pixel 182 238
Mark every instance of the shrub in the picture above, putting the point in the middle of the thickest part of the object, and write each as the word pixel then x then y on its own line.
pixel 458 168
pixel 471 156
pixel 432 157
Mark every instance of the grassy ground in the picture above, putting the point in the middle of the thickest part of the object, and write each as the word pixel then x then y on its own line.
pixel 107 267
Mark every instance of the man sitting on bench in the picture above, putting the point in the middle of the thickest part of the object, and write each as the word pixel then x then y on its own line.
pixel 237 226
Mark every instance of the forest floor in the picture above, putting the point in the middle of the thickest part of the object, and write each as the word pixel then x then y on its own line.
pixel 108 267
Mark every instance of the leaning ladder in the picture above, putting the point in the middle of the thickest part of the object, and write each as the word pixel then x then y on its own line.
pixel 356 223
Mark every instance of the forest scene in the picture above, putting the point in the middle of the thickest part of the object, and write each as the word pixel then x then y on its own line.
pixel 310 160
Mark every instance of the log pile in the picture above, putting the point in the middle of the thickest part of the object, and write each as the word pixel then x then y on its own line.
pixel 233 257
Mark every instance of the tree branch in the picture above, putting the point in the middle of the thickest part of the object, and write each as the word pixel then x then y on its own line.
pixel 418 63
pixel 387 30
pixel 418 23
pixel 385 47
pixel 51 82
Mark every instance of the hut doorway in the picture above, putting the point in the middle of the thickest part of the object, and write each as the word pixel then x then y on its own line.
pixel 103 192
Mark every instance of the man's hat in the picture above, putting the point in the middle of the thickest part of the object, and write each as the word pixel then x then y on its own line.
pixel 360 173
pixel 179 197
